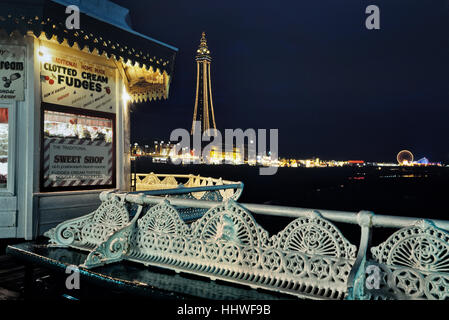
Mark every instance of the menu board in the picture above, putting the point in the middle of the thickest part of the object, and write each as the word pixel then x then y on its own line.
pixel 12 73
pixel 75 82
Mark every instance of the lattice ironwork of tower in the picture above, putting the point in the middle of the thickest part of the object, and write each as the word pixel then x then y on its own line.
pixel 204 108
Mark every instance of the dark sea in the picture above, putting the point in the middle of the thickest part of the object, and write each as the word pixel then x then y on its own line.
pixel 416 191
pixel 420 192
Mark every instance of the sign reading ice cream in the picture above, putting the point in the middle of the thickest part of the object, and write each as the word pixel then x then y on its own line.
pixel 71 81
pixel 12 73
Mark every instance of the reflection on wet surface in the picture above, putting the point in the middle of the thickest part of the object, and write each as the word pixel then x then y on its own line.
pixel 134 278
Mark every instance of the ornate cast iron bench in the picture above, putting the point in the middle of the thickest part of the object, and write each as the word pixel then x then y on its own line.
pixel 152 181
pixel 309 258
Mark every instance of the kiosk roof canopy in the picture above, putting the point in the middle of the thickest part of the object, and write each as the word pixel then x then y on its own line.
pixel 104 26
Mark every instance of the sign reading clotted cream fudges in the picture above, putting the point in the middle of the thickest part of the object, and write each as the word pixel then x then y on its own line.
pixel 72 162
pixel 12 73
pixel 73 82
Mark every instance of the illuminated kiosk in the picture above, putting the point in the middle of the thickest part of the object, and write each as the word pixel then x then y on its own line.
pixel 64 117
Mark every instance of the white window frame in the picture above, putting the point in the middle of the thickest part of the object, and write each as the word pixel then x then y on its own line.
pixel 10 184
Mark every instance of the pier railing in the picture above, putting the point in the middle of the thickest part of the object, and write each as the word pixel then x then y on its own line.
pixel 309 258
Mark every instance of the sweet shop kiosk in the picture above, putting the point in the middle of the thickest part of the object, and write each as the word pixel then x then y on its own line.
pixel 65 96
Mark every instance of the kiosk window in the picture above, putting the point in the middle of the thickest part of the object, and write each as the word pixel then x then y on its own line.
pixel 73 126
pixel 78 151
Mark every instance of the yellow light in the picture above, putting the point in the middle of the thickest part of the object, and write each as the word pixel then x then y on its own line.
pixel 44 54
pixel 125 97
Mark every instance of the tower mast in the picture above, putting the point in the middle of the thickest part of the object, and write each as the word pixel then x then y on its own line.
pixel 204 107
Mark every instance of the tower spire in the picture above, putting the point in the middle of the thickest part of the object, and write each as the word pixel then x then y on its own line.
pixel 203 50
pixel 203 38
pixel 204 108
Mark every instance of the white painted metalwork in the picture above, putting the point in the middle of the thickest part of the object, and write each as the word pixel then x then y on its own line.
pixel 152 181
pixel 414 263
pixel 309 258
pixel 91 230
pixel 227 243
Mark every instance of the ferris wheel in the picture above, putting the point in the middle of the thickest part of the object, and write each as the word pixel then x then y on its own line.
pixel 405 157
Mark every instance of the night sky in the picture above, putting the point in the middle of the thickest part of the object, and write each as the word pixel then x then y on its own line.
pixel 311 69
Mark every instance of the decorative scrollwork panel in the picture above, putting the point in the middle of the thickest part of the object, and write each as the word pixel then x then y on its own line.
pixel 89 231
pixel 227 243
pixel 316 236
pixel 421 246
pixel 415 262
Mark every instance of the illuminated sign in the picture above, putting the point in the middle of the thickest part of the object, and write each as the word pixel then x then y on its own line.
pixel 74 82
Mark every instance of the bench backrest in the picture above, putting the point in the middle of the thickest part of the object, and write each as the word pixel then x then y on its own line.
pixel 309 258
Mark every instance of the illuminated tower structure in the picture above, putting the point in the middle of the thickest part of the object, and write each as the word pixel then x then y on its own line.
pixel 204 108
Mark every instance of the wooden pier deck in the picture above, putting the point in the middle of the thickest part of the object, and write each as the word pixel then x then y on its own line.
pixel 12 277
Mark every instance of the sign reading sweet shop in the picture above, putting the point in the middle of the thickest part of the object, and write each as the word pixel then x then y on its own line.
pixel 76 163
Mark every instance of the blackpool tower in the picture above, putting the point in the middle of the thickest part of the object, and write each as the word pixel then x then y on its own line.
pixel 204 108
